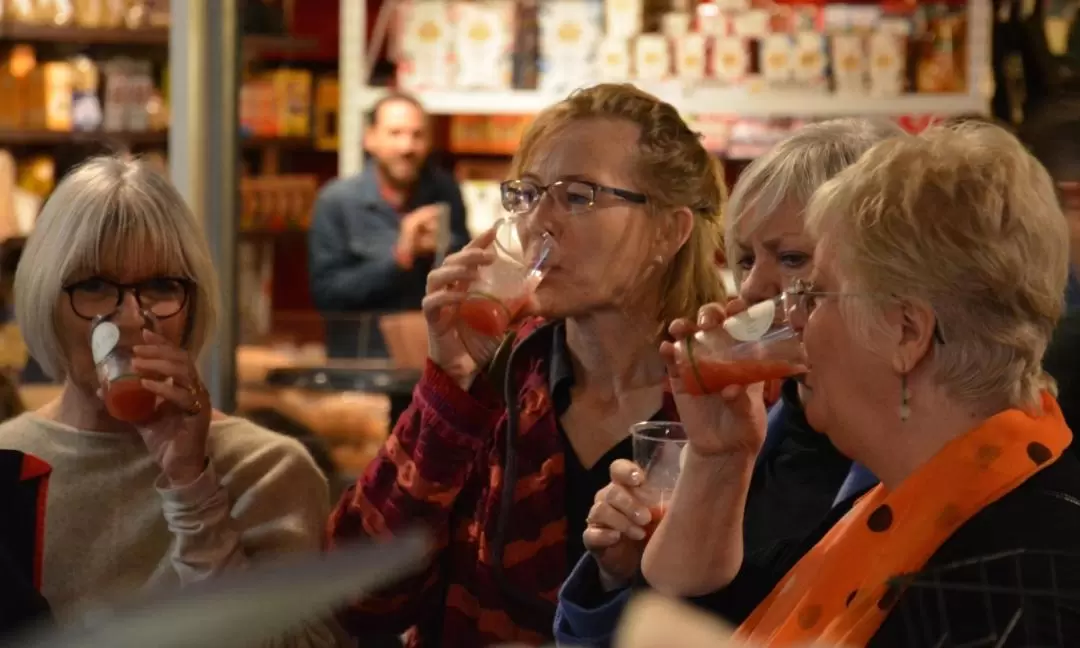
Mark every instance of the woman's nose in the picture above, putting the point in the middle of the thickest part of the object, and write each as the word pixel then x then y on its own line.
pixel 761 283
pixel 129 313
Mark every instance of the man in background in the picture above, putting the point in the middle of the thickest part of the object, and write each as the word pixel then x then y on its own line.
pixel 375 236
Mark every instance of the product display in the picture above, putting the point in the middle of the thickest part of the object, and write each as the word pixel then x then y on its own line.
pixel 849 49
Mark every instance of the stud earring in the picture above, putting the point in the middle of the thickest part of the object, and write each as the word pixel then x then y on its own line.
pixel 905 399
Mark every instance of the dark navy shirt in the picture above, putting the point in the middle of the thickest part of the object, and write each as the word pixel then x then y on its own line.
pixel 351 261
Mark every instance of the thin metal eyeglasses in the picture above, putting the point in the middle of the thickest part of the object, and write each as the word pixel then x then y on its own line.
pixel 574 196
pixel 164 297
pixel 803 299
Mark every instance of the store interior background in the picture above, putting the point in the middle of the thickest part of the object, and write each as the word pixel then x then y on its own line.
pixel 744 72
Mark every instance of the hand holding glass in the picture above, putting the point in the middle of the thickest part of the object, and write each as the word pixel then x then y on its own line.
pixel 751 347
pixel 658 451
pixel 503 289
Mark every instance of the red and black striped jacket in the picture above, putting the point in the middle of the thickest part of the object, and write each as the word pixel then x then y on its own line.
pixel 486 473
pixel 23 488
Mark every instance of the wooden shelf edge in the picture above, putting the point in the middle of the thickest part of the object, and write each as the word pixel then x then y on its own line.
pixel 84 35
pixel 41 137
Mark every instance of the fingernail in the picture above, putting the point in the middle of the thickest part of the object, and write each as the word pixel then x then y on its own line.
pixel 636 477
pixel 636 533
pixel 642 516
pixel 702 319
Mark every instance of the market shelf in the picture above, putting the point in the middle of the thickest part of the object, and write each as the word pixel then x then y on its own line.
pixel 703 101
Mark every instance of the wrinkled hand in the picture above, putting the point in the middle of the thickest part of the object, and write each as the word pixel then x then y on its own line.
pixel 616 533
pixel 176 438
pixel 732 421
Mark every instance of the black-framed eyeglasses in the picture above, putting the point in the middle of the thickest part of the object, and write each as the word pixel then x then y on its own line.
pixel 574 196
pixel 164 297
pixel 803 298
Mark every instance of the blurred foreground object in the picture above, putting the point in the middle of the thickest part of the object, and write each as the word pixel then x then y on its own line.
pixel 246 608
pixel 653 621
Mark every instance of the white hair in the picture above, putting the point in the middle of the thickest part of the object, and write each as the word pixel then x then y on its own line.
pixel 110 212
pixel 961 218
pixel 793 169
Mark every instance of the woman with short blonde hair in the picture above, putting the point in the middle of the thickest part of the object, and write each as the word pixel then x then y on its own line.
pixel 940 265
pixel 504 461
pixel 188 492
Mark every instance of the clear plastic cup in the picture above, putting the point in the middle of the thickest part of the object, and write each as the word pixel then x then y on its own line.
pixel 504 288
pixel 121 387
pixel 754 346
pixel 658 451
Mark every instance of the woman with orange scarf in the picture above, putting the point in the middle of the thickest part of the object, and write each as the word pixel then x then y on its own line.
pixel 941 261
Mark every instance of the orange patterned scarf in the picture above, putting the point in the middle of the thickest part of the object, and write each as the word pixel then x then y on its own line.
pixel 833 593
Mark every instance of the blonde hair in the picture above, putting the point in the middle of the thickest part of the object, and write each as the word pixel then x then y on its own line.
pixel 109 210
pixel 674 170
pixel 789 173
pixel 964 220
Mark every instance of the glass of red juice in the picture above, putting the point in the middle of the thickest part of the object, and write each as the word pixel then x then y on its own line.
pixel 499 296
pixel 754 346
pixel 121 387
pixel 658 451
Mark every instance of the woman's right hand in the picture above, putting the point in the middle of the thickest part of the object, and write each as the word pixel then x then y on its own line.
pixel 616 535
pixel 447 287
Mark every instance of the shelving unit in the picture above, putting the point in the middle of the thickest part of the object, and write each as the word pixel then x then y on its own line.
pixel 357 96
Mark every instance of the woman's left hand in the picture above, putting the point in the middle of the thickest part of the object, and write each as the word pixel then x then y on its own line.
pixel 176 438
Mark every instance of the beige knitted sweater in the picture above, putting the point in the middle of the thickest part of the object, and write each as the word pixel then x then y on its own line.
pixel 111 528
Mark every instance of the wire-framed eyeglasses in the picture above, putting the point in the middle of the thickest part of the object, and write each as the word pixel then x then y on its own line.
pixel 802 298
pixel 164 297
pixel 573 196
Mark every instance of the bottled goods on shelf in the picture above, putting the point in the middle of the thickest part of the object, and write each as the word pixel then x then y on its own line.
pixel 557 45
pixel 79 94
pixel 89 14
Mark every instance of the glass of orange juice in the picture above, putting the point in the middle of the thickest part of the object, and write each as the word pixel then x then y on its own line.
pixel 499 296
pixel 753 346
pixel 121 387
pixel 658 451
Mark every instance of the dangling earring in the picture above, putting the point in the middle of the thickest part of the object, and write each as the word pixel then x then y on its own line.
pixel 905 399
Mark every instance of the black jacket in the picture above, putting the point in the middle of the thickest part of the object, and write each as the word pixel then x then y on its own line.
pixel 949 605
pixel 22 484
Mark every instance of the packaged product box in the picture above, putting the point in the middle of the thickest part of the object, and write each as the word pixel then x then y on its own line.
pixel 613 64
pixel 425 44
pixel 570 33
pixel 483 41
pixel 652 57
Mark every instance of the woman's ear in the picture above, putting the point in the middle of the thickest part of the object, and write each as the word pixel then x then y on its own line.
pixel 915 323
pixel 678 226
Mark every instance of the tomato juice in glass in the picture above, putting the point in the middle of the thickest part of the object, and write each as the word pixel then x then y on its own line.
pixel 503 290
pixel 658 451
pixel 754 346
pixel 121 388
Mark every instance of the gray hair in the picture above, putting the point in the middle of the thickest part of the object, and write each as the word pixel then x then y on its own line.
pixel 109 212
pixel 793 169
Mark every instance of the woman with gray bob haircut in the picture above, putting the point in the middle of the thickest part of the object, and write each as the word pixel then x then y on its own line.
pixel 187 492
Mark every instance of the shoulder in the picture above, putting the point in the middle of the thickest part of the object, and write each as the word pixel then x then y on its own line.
pixel 24 432
pixel 248 456
pixel 1042 514
pixel 443 179
pixel 339 190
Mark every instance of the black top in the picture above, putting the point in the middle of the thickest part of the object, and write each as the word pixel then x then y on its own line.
pixel 1042 515
pixel 20 602
pixel 582 484
pixel 1062 361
